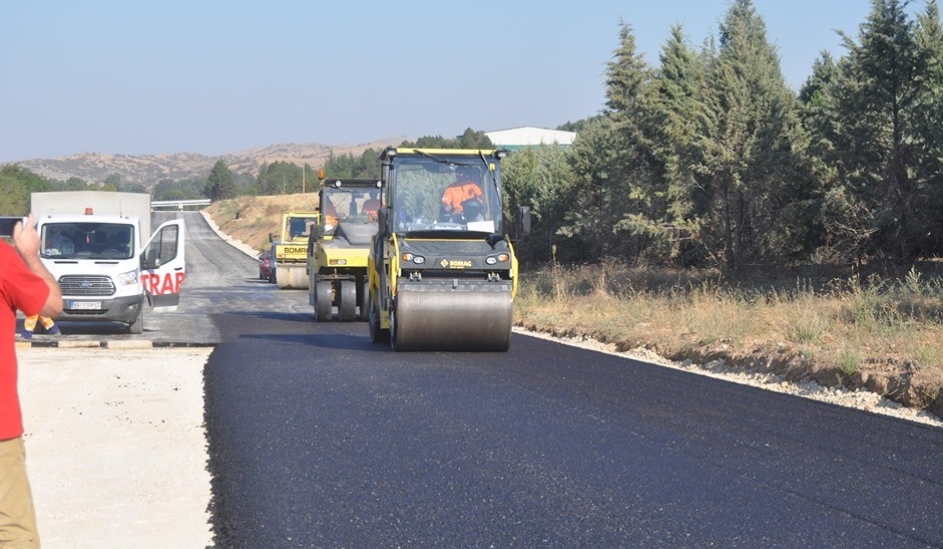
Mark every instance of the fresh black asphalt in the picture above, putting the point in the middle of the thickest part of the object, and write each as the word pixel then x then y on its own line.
pixel 319 438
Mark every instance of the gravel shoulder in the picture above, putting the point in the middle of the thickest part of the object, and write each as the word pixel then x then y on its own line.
pixel 116 449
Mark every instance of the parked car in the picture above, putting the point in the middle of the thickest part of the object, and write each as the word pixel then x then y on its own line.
pixel 266 266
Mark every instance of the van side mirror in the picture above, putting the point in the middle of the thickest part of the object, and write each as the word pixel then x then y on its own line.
pixel 149 262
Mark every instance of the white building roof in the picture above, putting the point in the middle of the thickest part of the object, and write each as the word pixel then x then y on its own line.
pixel 527 136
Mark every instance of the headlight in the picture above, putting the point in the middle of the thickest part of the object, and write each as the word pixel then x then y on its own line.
pixel 492 260
pixel 337 262
pixel 417 259
pixel 128 278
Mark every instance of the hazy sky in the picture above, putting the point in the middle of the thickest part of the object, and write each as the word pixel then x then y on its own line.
pixel 220 76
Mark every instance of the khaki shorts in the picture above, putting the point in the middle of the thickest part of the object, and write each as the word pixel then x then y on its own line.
pixel 17 516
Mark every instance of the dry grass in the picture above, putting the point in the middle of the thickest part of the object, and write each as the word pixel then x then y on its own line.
pixel 251 218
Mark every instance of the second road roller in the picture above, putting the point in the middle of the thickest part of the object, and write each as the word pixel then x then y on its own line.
pixel 338 247
pixel 442 273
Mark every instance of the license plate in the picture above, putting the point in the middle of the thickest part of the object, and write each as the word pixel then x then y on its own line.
pixel 86 305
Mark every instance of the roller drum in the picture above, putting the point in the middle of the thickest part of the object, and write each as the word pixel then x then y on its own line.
pixel 292 277
pixel 452 316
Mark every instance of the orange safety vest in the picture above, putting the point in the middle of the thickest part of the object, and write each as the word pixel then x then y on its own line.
pixel 330 213
pixel 458 192
pixel 370 208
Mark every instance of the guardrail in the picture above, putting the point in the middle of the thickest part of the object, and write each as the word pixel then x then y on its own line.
pixel 180 204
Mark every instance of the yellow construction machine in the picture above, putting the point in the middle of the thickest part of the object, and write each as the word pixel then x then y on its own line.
pixel 442 271
pixel 338 247
pixel 290 252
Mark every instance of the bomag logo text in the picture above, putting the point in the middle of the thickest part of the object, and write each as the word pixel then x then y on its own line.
pixel 456 263
pixel 295 250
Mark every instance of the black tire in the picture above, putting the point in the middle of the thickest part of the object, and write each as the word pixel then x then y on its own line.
pixel 363 288
pixel 347 301
pixel 323 301
pixel 393 328
pixel 137 327
pixel 377 334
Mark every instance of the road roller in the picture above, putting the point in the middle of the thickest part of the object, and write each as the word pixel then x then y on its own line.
pixel 442 275
pixel 339 245
pixel 290 252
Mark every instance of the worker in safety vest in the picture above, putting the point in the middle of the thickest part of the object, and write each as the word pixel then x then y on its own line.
pixel 371 206
pixel 466 187
pixel 330 215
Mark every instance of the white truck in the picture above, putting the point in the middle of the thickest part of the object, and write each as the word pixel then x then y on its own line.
pixel 94 245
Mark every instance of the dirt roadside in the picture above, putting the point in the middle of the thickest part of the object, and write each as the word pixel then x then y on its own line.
pixel 116 449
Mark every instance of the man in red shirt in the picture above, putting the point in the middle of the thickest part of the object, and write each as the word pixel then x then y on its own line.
pixel 25 284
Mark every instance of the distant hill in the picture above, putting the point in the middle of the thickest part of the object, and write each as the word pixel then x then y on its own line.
pixel 149 169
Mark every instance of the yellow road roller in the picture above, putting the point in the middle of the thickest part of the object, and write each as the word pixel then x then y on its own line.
pixel 291 251
pixel 442 271
pixel 339 245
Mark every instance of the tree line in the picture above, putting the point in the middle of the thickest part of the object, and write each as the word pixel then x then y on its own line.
pixel 710 159
pixel 17 183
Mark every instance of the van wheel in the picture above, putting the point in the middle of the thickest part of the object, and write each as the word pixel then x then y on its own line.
pixel 137 327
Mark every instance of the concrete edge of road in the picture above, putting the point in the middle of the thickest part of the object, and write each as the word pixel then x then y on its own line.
pixel 108 344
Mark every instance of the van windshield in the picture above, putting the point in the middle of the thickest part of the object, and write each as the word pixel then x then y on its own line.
pixel 87 240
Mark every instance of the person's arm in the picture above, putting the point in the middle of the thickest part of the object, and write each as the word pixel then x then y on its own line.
pixel 26 242
pixel 448 197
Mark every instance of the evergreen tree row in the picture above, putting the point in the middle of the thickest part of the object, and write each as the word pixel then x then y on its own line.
pixel 710 159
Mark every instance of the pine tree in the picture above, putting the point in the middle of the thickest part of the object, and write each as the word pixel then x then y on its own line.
pixel 281 177
pixel 839 230
pixel 747 134
pixel 539 177
pixel 678 88
pixel 877 97
pixel 589 219
pixel 220 185
pixel 928 129
pixel 613 162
